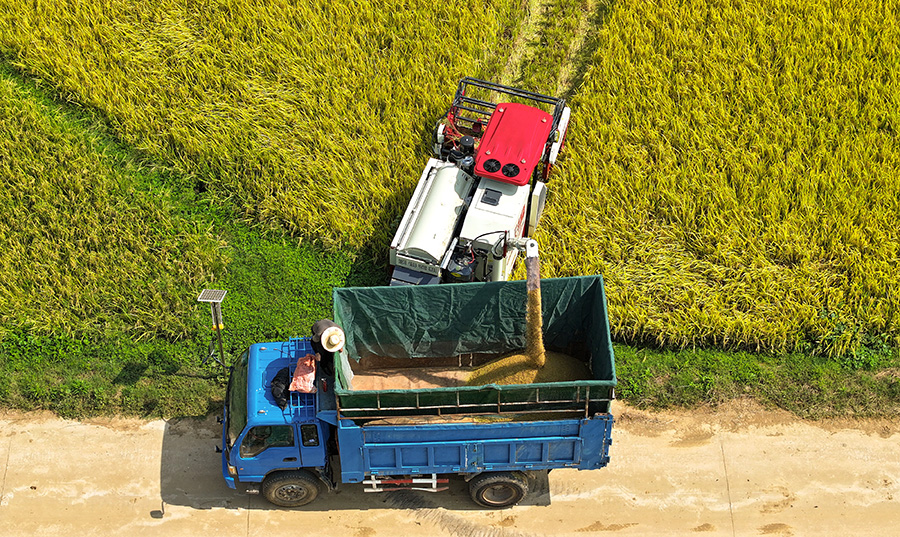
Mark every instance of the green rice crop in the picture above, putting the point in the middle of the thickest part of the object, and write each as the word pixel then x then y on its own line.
pixel 732 170
pixel 312 117
pixel 86 248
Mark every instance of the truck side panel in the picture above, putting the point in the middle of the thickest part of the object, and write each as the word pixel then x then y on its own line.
pixel 472 447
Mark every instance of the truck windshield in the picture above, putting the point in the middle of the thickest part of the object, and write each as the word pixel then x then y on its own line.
pixel 236 399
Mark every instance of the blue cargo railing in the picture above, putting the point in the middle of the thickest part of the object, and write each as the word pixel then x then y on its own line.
pixel 302 406
pixel 577 399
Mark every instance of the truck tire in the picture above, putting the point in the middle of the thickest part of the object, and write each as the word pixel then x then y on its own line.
pixel 498 489
pixel 290 489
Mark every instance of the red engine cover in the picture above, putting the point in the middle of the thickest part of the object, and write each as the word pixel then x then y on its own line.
pixel 513 143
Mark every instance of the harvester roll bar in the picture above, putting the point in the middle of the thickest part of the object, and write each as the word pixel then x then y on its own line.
pixel 500 88
pixel 483 108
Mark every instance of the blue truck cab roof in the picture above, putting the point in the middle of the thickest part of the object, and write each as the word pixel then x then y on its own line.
pixel 264 361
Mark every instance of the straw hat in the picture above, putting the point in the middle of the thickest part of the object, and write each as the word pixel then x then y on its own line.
pixel 333 339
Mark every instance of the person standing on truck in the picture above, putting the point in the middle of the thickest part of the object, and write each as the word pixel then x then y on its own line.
pixel 327 339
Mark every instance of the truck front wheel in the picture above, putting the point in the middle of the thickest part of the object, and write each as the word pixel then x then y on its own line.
pixel 290 489
pixel 499 489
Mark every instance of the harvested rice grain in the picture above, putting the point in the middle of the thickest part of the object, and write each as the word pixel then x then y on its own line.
pixel 534 365
pixel 534 335
pixel 519 369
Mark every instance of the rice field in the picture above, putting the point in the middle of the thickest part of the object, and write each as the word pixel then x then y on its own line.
pixel 731 167
pixel 734 172
pixel 85 248
pixel 310 117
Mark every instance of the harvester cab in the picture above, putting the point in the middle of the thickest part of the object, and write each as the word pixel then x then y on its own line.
pixel 486 187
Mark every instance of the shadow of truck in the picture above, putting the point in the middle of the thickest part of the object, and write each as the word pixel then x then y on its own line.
pixel 191 476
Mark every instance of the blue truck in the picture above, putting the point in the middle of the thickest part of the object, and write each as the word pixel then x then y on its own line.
pixel 395 410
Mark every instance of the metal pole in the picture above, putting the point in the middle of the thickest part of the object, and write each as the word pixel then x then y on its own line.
pixel 215 297
pixel 218 327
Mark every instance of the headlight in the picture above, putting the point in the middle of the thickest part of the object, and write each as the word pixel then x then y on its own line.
pixel 232 471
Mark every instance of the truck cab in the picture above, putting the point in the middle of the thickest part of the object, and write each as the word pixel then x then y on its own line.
pixel 262 441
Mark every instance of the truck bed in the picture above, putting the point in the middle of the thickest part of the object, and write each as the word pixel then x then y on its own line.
pixel 409 350
pixel 397 449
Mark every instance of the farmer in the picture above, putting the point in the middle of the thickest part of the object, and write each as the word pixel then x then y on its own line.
pixel 327 339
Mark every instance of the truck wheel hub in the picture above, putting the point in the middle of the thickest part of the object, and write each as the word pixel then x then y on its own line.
pixel 292 493
pixel 498 494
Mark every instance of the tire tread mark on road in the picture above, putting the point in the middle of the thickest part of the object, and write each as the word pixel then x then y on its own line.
pixel 448 521
pixel 727 487
pixel 249 509
pixel 5 471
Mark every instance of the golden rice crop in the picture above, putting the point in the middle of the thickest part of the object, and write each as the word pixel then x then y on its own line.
pixel 311 116
pixel 731 167
pixel 733 170
pixel 84 250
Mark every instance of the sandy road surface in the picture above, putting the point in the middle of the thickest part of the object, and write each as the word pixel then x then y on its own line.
pixel 736 471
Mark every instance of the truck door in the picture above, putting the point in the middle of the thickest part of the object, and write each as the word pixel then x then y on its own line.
pixel 312 444
pixel 264 448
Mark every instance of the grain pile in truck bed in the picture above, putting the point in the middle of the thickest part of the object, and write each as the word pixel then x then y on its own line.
pixel 520 369
pixel 509 369
pixel 410 378
pixel 386 373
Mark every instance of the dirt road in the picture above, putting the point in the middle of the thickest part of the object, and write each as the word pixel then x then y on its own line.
pixel 735 471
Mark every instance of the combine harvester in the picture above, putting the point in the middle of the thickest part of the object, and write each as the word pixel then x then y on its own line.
pixel 475 204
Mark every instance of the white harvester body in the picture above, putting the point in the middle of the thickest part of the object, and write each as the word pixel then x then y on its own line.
pixel 426 231
pixel 497 213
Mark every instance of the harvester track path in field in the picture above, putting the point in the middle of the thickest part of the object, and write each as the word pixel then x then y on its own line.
pixel 524 43
pixel 571 71
pixel 531 43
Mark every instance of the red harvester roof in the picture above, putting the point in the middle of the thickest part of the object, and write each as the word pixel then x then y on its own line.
pixel 514 140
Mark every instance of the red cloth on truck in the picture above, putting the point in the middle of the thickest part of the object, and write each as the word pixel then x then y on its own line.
pixel 304 380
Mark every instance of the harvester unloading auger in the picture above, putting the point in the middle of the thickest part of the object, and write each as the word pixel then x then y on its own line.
pixel 534 364
pixel 534 319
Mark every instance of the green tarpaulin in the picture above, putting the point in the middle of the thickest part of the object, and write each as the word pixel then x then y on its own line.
pixel 440 321
pixel 449 320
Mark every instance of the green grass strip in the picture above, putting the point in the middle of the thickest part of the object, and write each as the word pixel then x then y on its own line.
pixel 864 385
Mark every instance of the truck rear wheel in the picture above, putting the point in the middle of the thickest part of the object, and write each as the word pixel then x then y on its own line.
pixel 291 489
pixel 499 489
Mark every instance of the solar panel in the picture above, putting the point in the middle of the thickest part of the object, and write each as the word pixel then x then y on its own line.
pixel 212 295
